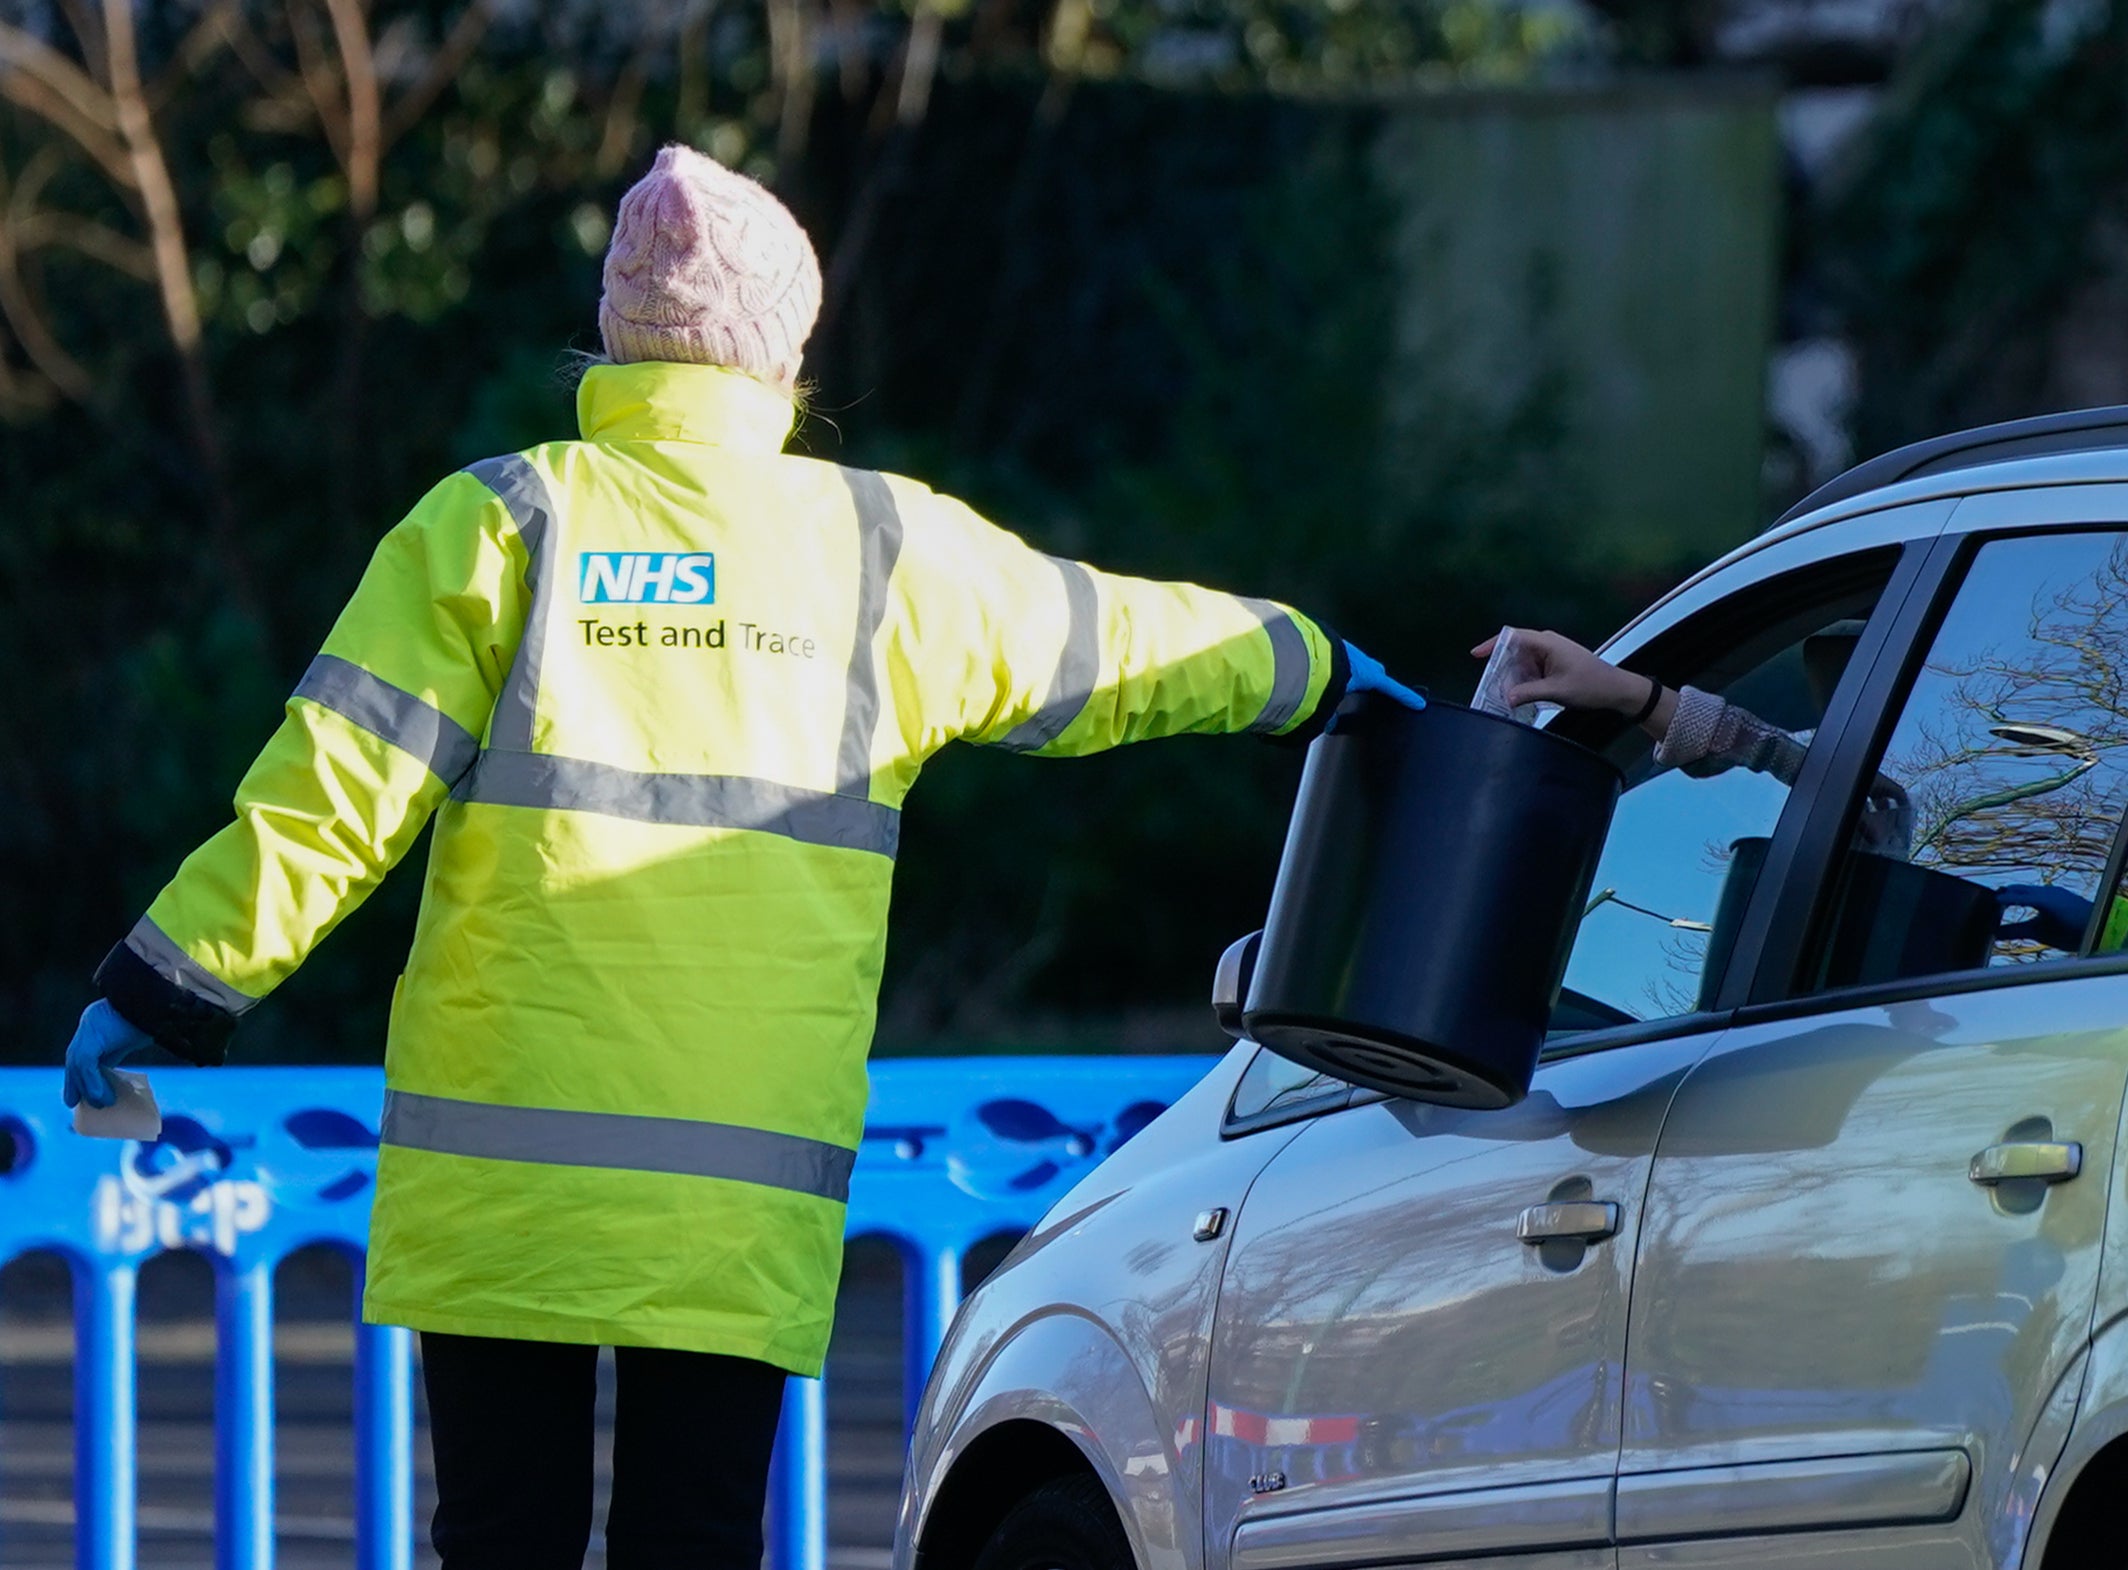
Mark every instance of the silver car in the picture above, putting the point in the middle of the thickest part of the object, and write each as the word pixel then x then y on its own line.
pixel 1804 1249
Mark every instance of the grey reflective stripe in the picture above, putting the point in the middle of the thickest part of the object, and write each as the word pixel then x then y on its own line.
pixel 524 493
pixel 153 946
pixel 391 713
pixel 1078 667
pixel 1291 669
pixel 711 801
pixel 618 1142
pixel 879 547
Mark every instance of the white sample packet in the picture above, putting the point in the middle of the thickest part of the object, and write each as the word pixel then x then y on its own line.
pixel 134 1115
pixel 1513 662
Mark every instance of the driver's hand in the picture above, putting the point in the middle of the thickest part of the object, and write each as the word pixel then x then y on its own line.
pixel 1569 675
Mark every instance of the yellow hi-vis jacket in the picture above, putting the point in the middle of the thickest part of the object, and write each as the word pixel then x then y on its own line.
pixel 663 690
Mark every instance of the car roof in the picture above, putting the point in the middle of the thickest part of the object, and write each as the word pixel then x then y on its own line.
pixel 2041 436
pixel 2075 447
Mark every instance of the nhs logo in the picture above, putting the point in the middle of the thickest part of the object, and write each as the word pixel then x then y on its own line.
pixel 646 578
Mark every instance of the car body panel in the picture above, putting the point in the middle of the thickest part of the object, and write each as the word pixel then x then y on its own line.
pixel 2034 1468
pixel 2050 507
pixel 1822 1285
pixel 2097 1395
pixel 1890 1488
pixel 1068 1372
pixel 1097 1326
pixel 1980 1387
pixel 1388 1389
pixel 1907 1548
pixel 1466 1524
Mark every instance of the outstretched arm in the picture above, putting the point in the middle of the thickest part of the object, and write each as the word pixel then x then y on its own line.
pixel 1690 727
pixel 1070 660
pixel 386 719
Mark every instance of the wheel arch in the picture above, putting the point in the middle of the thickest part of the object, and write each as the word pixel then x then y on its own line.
pixel 2091 1464
pixel 1061 1379
pixel 2079 1527
pixel 1000 1468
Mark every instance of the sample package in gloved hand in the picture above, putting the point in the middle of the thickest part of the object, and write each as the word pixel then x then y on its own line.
pixel 1513 662
pixel 134 1115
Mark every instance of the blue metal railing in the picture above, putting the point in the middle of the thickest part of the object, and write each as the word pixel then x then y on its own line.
pixel 255 1164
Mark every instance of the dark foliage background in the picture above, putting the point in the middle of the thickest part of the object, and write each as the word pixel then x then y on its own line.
pixel 1114 272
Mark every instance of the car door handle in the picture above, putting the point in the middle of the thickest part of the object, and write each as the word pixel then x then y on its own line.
pixel 2046 1161
pixel 1589 1220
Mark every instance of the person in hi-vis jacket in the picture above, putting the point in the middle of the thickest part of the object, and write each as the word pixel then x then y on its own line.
pixel 663 690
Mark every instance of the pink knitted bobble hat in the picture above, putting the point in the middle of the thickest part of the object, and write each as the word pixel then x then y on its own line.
pixel 707 268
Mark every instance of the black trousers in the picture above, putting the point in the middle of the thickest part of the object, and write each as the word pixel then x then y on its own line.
pixel 511 1424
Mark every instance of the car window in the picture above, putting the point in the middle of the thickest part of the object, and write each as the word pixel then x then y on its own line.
pixel 1274 1089
pixel 1687 841
pixel 1992 816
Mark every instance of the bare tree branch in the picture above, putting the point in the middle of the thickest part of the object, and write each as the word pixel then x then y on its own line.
pixel 849 20
pixel 622 108
pixel 151 179
pixel 31 227
pixel 18 395
pixel 28 185
pixel 28 53
pixel 21 311
pixel 88 27
pixel 320 81
pixel 99 242
pixel 202 40
pixel 37 78
pixel 61 369
pixel 275 80
pixel 791 65
pixel 444 66
pixel 693 101
pixel 919 64
pixel 358 71
pixel 173 278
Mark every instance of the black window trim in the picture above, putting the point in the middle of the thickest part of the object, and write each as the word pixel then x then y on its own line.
pixel 1575 1044
pixel 2109 886
pixel 1772 937
pixel 1948 984
pixel 1580 1043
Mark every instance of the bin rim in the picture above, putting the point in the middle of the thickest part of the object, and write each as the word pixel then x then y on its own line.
pixel 1382 704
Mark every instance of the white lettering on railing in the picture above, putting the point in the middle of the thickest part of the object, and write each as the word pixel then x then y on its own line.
pixel 128 1221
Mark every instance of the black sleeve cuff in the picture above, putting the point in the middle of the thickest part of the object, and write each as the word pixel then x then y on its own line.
pixel 193 1028
pixel 1333 693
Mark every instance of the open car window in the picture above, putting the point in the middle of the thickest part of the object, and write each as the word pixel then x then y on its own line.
pixel 1686 843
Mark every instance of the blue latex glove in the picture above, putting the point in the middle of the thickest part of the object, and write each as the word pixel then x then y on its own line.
pixel 1368 676
pixel 2059 916
pixel 102 1038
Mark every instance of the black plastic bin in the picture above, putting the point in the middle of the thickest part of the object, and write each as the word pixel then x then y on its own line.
pixel 1896 920
pixel 1434 874
pixel 1893 920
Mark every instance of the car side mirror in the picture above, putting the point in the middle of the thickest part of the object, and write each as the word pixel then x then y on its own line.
pixel 1230 983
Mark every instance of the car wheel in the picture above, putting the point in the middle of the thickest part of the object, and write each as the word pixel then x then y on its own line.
pixel 1065 1525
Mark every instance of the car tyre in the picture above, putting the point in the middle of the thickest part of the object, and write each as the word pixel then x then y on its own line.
pixel 1067 1524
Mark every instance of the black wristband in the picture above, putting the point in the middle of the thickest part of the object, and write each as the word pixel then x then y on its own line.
pixel 191 1027
pixel 1655 692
